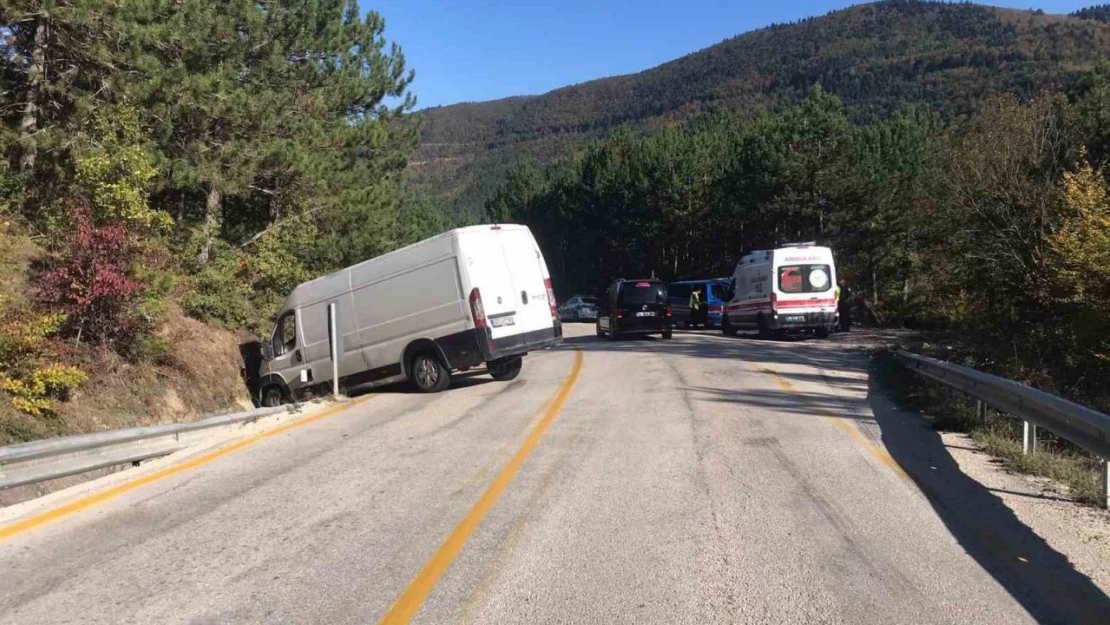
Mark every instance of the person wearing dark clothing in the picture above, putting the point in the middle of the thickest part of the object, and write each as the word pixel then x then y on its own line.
pixel 844 305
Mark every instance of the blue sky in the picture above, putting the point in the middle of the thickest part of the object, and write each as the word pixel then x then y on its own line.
pixel 470 50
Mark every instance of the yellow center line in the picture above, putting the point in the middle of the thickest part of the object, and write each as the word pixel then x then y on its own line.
pixel 876 450
pixel 412 599
pixel 103 496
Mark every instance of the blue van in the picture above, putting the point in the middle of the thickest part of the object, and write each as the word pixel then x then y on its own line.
pixel 714 292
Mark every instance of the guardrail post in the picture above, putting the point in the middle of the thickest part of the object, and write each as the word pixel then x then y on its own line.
pixel 981 410
pixel 1106 483
pixel 333 335
pixel 1028 438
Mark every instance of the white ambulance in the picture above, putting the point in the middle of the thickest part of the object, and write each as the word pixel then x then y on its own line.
pixel 789 289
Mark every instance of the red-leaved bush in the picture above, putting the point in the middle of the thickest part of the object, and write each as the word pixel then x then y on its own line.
pixel 91 280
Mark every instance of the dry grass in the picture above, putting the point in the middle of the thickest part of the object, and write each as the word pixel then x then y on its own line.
pixel 200 377
pixel 999 436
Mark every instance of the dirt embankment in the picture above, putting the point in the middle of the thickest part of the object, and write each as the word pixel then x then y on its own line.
pixel 196 373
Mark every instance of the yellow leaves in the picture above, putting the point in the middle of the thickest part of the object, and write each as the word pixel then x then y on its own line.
pixel 33 394
pixel 116 172
pixel 1080 246
pixel 22 340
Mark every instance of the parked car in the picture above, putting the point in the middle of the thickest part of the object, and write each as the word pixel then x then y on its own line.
pixel 635 307
pixel 580 308
pixel 468 297
pixel 789 289
pixel 714 297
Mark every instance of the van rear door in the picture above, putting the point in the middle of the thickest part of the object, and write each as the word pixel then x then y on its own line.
pixel 529 278
pixel 804 287
pixel 489 274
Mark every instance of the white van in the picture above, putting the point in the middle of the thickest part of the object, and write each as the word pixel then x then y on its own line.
pixel 468 297
pixel 792 288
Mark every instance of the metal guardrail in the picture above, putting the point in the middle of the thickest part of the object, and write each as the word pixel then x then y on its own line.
pixel 38 461
pixel 1087 428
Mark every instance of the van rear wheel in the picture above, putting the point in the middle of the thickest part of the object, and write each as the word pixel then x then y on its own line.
pixel 428 373
pixel 503 372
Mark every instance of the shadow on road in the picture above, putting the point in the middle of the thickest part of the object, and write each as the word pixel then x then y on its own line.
pixel 1037 576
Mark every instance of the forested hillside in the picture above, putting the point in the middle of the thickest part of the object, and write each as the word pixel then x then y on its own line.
pixel 174 159
pixel 876 58
pixel 996 228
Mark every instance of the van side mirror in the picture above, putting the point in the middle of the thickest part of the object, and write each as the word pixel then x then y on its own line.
pixel 267 351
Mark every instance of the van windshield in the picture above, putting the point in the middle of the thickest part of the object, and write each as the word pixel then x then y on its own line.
pixel 805 278
pixel 636 293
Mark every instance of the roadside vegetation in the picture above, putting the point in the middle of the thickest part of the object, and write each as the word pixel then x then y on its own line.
pixel 169 171
pixel 995 229
pixel 998 435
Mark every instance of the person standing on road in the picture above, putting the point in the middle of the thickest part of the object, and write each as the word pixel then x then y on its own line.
pixel 695 308
pixel 844 305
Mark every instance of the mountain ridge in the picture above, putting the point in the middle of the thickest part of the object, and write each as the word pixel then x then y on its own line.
pixel 876 57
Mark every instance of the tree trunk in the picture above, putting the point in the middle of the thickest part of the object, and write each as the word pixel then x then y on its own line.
pixel 211 224
pixel 874 287
pixel 29 125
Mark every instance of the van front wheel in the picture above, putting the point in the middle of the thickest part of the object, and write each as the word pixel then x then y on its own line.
pixel 428 373
pixel 271 397
pixel 503 372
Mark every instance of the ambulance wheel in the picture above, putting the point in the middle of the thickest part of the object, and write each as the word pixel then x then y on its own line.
pixel 726 327
pixel 668 334
pixel 765 332
pixel 822 333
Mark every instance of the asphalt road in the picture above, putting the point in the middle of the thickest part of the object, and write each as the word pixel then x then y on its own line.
pixel 698 480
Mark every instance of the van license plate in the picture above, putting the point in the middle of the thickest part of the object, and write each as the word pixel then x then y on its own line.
pixel 501 322
pixel 650 313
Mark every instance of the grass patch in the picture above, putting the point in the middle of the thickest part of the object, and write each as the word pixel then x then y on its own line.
pixel 999 435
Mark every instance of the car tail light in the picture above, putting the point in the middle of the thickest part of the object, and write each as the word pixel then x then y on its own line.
pixel 551 298
pixel 476 309
pixel 620 314
pixel 668 312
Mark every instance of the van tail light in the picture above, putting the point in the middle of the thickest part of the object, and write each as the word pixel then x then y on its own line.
pixel 716 308
pixel 551 298
pixel 476 309
pixel 668 312
pixel 774 301
pixel 620 314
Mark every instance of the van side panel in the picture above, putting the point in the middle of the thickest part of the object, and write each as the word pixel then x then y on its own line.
pixel 315 342
pixel 424 302
pixel 753 294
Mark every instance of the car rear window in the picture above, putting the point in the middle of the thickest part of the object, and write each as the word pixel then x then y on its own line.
pixel 804 278
pixel 636 293
pixel 591 301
